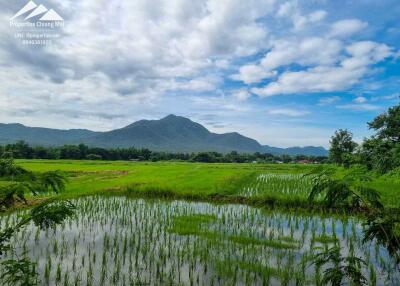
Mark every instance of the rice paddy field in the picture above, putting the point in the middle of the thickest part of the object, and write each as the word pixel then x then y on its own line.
pixel 282 183
pixel 174 223
pixel 122 241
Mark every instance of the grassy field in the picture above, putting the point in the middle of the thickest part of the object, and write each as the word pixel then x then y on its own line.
pixel 280 184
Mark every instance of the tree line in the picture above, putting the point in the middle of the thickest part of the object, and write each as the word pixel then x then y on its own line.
pixel 22 150
pixel 380 152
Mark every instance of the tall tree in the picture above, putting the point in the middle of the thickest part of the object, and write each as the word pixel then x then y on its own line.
pixel 342 147
pixel 387 125
pixel 381 152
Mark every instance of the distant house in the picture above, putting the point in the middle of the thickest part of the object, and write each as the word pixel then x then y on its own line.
pixel 304 162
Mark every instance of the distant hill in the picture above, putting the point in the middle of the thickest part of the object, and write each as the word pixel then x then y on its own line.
pixel 10 133
pixel 308 150
pixel 171 133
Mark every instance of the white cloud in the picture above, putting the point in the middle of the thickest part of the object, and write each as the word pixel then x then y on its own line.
pixel 347 27
pixel 128 55
pixel 285 135
pixel 392 96
pixel 241 94
pixel 222 102
pixel 360 107
pixel 307 51
pixel 139 45
pixel 222 64
pixel 318 79
pixel 288 112
pixel 292 11
pixel 370 51
pixel 326 78
pixel 317 16
pixel 252 74
pixel 328 100
pixel 360 99
pixel 197 84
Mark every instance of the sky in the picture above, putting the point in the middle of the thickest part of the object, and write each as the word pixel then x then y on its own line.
pixel 286 73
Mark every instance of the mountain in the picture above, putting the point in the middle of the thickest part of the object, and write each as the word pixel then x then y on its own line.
pixel 10 133
pixel 172 133
pixel 308 150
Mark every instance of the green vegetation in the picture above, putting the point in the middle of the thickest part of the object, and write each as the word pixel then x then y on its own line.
pixel 380 153
pixel 122 241
pixel 382 225
pixel 281 186
pixel 22 150
pixel 342 147
pixel 20 270
pixel 259 184
pixel 221 239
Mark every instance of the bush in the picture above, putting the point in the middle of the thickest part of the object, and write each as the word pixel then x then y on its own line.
pixel 94 157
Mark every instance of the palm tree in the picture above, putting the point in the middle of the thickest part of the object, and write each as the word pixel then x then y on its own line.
pixel 345 192
pixel 340 267
pixel 381 225
pixel 47 214
pixel 9 194
pixel 8 168
pixel 52 181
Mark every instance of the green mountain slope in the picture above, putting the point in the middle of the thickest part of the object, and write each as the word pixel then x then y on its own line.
pixel 171 133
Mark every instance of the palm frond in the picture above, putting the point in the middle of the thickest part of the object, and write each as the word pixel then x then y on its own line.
pixel 51 213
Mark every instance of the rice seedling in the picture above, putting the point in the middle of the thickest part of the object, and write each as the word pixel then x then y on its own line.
pixel 278 185
pixel 122 241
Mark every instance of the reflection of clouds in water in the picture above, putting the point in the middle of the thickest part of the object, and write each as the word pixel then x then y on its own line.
pixel 144 241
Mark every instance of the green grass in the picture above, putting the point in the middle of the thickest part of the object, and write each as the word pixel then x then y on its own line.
pixel 192 224
pixel 182 178
pixel 199 225
pixel 281 184
pixel 325 239
pixel 241 239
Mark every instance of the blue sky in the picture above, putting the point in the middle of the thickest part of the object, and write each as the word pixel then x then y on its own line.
pixel 287 73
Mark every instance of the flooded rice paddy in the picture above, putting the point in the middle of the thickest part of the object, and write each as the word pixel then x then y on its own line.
pixel 122 241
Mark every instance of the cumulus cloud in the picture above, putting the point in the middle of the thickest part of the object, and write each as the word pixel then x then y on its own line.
pixel 327 78
pixel 241 94
pixel 291 10
pixel 308 51
pixel 347 27
pixel 120 53
pixel 138 42
pixel 318 79
pixel 323 63
pixel 252 74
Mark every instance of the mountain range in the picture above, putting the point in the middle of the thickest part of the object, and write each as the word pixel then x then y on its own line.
pixel 172 133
